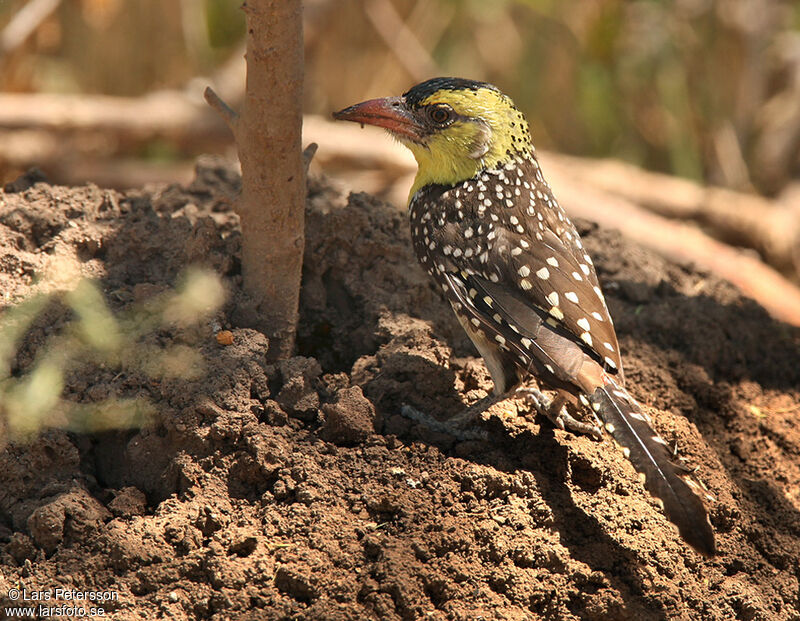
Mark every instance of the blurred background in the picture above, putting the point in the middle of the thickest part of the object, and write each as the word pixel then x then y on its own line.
pixel 704 89
pixel 707 91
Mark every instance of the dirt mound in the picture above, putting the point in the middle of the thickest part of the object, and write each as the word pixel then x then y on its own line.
pixel 300 490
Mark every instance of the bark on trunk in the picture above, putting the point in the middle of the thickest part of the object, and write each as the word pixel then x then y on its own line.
pixel 268 135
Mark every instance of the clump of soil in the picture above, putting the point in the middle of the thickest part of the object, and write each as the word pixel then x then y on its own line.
pixel 299 490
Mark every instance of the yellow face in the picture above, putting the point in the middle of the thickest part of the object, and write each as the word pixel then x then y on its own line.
pixel 454 127
pixel 486 131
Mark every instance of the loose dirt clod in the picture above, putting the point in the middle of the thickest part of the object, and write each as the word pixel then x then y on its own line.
pixel 298 490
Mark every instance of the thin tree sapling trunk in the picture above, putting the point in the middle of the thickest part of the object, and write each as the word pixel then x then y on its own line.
pixel 271 203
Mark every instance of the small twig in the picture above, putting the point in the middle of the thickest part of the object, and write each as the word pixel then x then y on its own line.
pixel 308 155
pixel 25 22
pixel 399 38
pixel 220 107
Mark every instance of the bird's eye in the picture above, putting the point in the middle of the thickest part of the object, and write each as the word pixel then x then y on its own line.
pixel 440 114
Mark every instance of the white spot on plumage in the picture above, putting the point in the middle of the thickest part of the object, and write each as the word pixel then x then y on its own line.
pixel 500 339
pixel 571 296
pixel 585 268
pixel 487 300
pixel 586 338
pixel 608 346
pixel 543 273
pixel 584 323
pixel 552 261
pixel 577 276
pixel 526 342
pixel 524 271
pixel 598 316
pixel 468 232
pixel 516 251
pixel 525 284
pixel 475 322
pixel 552 298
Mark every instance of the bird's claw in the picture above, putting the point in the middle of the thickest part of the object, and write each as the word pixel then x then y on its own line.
pixel 556 412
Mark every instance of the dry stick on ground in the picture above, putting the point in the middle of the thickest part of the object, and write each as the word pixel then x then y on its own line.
pixel 268 135
pixel 682 243
pixel 735 218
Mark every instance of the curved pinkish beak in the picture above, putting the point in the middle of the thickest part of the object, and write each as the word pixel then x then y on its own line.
pixel 389 112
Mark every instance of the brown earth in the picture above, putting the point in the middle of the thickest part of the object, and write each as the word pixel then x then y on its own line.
pixel 299 491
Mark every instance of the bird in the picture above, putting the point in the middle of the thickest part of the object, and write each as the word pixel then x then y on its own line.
pixel 487 227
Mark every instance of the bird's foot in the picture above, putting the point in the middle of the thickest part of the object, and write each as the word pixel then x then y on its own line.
pixel 555 409
pixel 465 425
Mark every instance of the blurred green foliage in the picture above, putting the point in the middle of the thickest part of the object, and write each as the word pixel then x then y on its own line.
pixel 96 338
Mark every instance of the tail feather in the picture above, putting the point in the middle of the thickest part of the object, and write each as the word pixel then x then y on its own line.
pixel 648 453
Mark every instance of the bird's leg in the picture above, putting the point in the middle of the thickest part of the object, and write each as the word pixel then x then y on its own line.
pixel 555 409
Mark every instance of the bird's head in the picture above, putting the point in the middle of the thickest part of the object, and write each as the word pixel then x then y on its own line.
pixel 454 127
